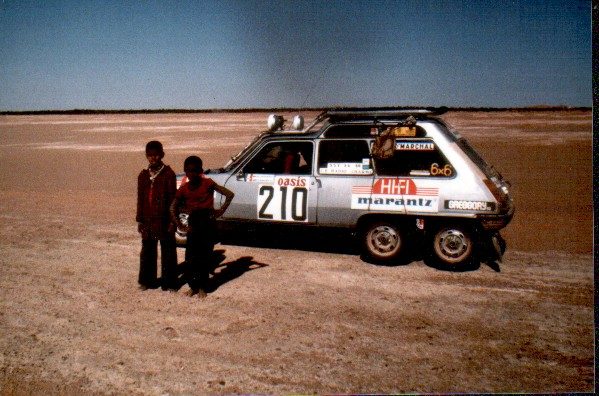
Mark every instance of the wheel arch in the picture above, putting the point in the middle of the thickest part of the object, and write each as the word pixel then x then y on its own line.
pixel 369 218
pixel 434 223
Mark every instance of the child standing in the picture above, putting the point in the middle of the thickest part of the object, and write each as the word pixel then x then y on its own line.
pixel 196 198
pixel 156 188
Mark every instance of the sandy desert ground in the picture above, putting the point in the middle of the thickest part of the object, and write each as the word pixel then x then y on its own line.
pixel 292 320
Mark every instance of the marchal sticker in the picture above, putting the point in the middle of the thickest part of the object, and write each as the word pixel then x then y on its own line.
pixel 414 145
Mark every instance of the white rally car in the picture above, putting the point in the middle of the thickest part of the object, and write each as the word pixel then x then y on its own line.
pixel 395 177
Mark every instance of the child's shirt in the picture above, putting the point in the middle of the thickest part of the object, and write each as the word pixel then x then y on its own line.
pixel 202 197
pixel 154 196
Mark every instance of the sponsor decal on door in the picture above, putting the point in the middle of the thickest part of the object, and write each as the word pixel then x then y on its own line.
pixel 285 199
pixel 395 195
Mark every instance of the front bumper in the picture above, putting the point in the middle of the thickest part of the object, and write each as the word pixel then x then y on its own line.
pixel 494 222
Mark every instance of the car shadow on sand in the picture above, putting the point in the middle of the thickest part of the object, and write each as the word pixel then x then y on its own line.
pixel 335 241
pixel 292 238
pixel 323 240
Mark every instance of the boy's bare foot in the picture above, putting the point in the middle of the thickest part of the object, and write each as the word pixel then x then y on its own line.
pixel 199 292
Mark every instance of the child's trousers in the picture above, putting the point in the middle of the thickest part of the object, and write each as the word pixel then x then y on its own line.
pixel 199 248
pixel 148 263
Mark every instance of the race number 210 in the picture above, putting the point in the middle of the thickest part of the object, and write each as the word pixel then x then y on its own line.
pixel 282 203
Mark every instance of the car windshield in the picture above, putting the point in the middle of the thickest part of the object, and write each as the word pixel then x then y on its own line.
pixel 235 159
pixel 316 124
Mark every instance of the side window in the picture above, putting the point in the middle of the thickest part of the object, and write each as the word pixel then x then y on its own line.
pixel 344 157
pixel 286 158
pixel 415 157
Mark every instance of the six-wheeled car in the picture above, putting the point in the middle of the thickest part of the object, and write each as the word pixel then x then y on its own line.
pixel 395 177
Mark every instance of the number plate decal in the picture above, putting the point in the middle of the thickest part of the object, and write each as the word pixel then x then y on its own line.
pixel 284 200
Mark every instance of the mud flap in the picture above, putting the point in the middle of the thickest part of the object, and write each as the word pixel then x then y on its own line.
pixel 492 247
pixel 498 244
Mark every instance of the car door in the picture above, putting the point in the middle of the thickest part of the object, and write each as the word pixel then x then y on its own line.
pixel 345 177
pixel 275 185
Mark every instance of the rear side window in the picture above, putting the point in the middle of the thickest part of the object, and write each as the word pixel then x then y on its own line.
pixel 344 157
pixel 476 158
pixel 415 157
pixel 348 131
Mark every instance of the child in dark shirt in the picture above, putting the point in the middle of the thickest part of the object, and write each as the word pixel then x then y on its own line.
pixel 156 188
pixel 196 198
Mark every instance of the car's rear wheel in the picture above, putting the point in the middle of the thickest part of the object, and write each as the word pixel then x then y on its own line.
pixel 453 246
pixel 382 241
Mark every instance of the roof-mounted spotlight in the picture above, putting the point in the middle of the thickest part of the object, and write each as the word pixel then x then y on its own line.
pixel 298 123
pixel 274 122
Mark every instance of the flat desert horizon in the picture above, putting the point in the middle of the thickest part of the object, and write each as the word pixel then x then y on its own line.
pixel 285 319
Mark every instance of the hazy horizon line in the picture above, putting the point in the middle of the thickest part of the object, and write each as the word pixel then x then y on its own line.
pixel 287 109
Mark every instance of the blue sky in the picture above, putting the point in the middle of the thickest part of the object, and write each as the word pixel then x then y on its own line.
pixel 231 54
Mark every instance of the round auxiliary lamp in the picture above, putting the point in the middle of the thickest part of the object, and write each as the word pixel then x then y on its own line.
pixel 276 122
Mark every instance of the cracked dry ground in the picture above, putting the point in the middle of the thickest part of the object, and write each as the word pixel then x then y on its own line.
pixel 284 320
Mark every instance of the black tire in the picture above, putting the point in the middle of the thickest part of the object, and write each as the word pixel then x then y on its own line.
pixel 382 241
pixel 452 246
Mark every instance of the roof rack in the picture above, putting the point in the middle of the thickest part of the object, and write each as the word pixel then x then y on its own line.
pixel 385 112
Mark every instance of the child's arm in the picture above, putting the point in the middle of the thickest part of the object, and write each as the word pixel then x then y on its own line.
pixel 228 198
pixel 174 211
pixel 171 187
pixel 139 214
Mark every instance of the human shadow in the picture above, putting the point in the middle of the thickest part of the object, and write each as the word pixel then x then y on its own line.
pixel 226 272
pixel 221 272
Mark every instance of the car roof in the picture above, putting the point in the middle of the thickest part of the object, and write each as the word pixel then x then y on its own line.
pixel 369 113
pixel 340 115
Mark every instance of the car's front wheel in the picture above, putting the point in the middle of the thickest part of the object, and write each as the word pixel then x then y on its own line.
pixel 382 241
pixel 453 246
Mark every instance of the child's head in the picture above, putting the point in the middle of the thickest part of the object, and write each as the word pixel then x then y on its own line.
pixel 154 152
pixel 193 168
